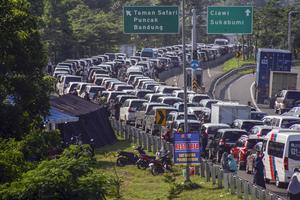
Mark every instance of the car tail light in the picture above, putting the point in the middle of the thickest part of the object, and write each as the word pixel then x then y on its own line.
pixel 286 163
pixel 259 134
pixel 222 141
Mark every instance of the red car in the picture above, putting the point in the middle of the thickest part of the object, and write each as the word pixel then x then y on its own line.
pixel 244 147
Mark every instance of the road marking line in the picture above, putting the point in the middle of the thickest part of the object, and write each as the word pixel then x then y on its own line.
pixel 208 72
pixel 252 97
pixel 228 93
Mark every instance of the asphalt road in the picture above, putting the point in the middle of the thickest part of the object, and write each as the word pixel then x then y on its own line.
pixel 208 76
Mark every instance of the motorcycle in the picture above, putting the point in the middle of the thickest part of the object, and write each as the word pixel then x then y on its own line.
pixel 161 165
pixel 128 158
pixel 144 160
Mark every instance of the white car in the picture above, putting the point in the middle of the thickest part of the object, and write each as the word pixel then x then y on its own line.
pixel 64 80
pixel 70 87
pixel 129 108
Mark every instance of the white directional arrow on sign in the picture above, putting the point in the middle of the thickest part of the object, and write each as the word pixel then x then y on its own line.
pixel 247 12
pixel 128 13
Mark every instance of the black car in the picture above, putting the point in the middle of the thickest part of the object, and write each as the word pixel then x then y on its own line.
pixel 223 141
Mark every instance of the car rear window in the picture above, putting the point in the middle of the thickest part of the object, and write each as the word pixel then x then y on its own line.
pixel 276 149
pixel 96 89
pixel 248 125
pixel 286 123
pixel 136 104
pixel 213 130
pixel 252 142
pixel 232 136
pixel 72 79
pixel 171 101
pixel 293 95
pixel 294 150
pixel 265 131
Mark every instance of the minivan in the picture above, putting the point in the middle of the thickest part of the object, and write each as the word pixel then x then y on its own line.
pixel 281 155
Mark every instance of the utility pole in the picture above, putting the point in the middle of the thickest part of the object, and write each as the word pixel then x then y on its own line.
pixel 187 169
pixel 290 28
pixel 194 32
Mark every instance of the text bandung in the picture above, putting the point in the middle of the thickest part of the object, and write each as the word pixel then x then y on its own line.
pixel 148 27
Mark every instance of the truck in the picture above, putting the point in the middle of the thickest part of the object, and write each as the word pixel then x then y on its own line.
pixel 226 113
pixel 269 60
pixel 282 81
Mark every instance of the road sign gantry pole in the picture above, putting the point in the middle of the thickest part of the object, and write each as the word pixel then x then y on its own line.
pixel 187 175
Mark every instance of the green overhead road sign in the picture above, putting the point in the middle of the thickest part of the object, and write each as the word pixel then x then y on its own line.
pixel 151 19
pixel 229 19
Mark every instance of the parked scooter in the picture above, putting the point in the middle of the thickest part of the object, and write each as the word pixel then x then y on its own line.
pixel 144 160
pixel 128 158
pixel 161 165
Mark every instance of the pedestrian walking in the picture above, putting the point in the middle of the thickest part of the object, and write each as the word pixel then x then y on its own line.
pixel 259 168
pixel 294 186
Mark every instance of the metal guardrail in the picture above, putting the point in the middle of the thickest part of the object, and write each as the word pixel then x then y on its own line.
pixel 211 172
pixel 223 77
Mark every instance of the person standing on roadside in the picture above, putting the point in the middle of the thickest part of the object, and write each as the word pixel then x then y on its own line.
pixel 294 186
pixel 232 164
pixel 259 168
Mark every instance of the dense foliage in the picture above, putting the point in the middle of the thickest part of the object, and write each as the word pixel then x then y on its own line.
pixel 68 177
pixel 24 95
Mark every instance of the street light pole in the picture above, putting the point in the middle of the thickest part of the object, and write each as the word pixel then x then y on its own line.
pixel 187 175
pixel 290 28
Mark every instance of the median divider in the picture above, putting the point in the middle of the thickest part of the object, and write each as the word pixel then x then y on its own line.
pixel 229 181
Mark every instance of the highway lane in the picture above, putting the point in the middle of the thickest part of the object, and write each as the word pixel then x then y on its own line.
pixel 239 90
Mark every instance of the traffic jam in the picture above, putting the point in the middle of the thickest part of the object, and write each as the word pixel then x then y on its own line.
pixel 130 88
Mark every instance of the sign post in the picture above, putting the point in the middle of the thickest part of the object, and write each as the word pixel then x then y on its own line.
pixel 151 19
pixel 229 19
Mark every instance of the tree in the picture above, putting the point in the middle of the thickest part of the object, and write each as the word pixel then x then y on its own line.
pixel 24 95
pixel 68 177
pixel 56 31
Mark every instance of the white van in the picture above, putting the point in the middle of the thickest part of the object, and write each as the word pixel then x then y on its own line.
pixel 281 155
pixel 64 81
pixel 280 121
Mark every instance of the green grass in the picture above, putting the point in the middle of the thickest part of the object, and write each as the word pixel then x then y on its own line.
pixel 140 184
pixel 236 63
